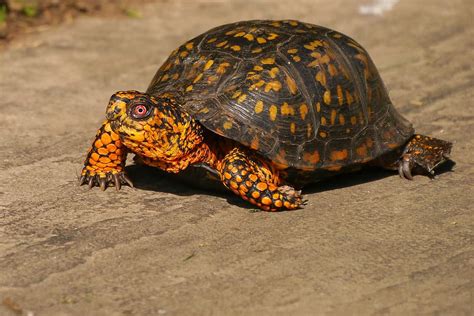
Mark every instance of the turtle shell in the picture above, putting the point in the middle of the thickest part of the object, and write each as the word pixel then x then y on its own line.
pixel 304 96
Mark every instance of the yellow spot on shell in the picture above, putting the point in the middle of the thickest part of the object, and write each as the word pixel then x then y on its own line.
pixel 183 54
pixel 189 88
pixel 353 120
pixel 325 59
pixel 222 68
pixel 321 78
pixel 292 51
pixel 323 134
pixel 318 107
pixel 272 36
pixel 340 95
pixel 212 40
pixel 349 97
pixel 259 106
pixel 338 155
pixel 228 125
pixel 242 98
pixel 236 94
pixel 290 82
pixel 297 58
pixel 362 150
pixel 332 70
pixel 342 119
pixel 309 130
pixel 257 50
pixel 235 48
pixel 249 37
pixel 255 143
pixel 221 44
pixel 327 97
pixel 268 61
pixel 258 68
pixel 311 157
pixel 189 45
pixel 273 72
pixel 312 45
pixel 261 40
pixel 209 64
pixel 273 85
pixel 323 120
pixel 333 116
pixel 287 109
pixel 303 111
pixel 292 128
pixel 273 112
pixel 198 77
pixel 240 34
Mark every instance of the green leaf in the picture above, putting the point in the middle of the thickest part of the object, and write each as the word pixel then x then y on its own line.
pixel 30 10
pixel 132 13
pixel 3 13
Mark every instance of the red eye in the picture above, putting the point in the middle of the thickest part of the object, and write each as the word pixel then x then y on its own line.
pixel 139 111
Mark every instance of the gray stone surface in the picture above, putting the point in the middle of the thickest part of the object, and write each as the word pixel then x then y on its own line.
pixel 367 243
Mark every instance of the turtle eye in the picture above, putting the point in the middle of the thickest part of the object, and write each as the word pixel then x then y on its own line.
pixel 140 111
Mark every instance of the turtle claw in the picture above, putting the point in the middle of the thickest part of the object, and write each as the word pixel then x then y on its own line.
pixel 404 168
pixel 124 177
pixel 116 180
pixel 83 180
pixel 102 184
pixel 91 182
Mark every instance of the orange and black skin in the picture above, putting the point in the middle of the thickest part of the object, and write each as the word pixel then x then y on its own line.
pixel 167 138
pixel 269 106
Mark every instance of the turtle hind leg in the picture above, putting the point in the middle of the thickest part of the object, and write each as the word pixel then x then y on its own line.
pixel 422 154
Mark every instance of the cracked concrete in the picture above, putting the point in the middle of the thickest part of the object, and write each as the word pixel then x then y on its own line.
pixel 367 243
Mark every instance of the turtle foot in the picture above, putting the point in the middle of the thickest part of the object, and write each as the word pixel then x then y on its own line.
pixel 423 154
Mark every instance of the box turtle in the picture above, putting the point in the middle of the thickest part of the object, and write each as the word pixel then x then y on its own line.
pixel 267 106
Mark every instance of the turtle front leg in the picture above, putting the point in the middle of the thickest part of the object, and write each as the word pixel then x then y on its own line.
pixel 256 181
pixel 425 153
pixel 105 161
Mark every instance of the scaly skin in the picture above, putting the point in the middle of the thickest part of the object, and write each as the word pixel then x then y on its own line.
pixel 171 140
pixel 105 160
pixel 256 181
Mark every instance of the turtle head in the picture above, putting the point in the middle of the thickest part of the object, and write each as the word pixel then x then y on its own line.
pixel 154 127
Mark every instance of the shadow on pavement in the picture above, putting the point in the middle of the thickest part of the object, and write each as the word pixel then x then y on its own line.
pixel 197 181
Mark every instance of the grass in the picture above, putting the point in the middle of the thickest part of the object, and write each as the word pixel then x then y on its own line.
pixel 30 10
pixel 3 13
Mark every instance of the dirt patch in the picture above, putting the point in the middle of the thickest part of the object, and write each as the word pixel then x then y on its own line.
pixel 20 17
